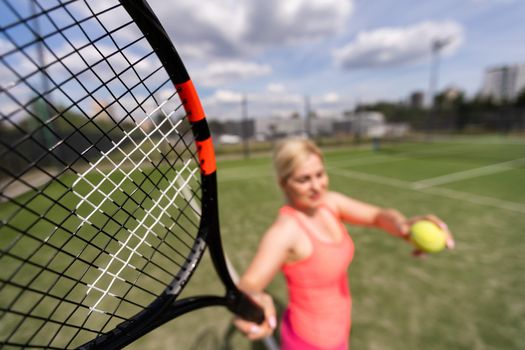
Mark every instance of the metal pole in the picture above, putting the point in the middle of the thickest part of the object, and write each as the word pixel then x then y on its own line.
pixel 307 119
pixel 244 127
pixel 43 107
pixel 437 45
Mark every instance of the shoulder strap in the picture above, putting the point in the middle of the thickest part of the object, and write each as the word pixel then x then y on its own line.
pixel 288 210
pixel 337 218
pixel 331 211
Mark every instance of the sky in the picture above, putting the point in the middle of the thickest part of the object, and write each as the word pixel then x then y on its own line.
pixel 284 56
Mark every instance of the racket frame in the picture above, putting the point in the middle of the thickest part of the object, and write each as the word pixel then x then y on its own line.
pixel 166 307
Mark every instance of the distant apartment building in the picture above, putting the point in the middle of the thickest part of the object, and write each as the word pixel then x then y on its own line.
pixel 276 127
pixel 416 99
pixel 368 124
pixel 504 82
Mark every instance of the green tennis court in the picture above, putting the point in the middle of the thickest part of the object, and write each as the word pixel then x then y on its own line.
pixel 469 298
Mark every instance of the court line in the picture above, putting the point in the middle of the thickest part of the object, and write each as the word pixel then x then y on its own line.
pixel 408 155
pixel 483 141
pixel 382 180
pixel 243 174
pixel 468 174
pixel 367 160
pixel 406 185
pixel 477 199
pixel 12 188
pixel 443 192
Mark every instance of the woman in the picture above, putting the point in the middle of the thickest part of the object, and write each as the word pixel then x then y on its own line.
pixel 310 245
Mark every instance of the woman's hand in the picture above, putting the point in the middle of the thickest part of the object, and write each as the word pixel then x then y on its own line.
pixel 449 243
pixel 254 331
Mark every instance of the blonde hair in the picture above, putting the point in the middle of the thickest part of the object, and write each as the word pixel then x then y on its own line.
pixel 288 154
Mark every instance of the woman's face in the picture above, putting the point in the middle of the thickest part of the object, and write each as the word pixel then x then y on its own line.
pixel 306 187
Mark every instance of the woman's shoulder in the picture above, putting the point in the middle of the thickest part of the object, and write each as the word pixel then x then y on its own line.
pixel 285 219
pixel 284 227
pixel 333 201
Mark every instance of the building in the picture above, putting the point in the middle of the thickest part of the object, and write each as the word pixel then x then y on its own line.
pixel 504 82
pixel 276 127
pixel 368 124
pixel 416 99
pixel 451 94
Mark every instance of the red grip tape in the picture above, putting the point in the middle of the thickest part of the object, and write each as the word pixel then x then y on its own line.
pixel 206 156
pixel 193 107
pixel 191 102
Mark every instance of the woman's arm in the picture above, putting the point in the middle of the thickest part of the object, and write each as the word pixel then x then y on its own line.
pixel 393 222
pixel 271 253
pixel 360 213
pixel 389 220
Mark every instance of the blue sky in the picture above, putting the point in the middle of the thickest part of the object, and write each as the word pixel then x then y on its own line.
pixel 333 53
pixel 336 52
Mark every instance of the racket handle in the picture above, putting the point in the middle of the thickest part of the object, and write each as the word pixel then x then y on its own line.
pixel 243 306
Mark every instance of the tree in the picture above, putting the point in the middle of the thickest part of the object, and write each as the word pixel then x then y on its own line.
pixel 520 100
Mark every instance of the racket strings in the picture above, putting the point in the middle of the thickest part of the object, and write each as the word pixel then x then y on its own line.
pixel 44 217
pixel 91 43
pixel 154 212
pixel 98 173
pixel 25 107
pixel 175 220
pixel 109 217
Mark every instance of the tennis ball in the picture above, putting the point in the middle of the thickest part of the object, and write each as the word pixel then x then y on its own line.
pixel 427 236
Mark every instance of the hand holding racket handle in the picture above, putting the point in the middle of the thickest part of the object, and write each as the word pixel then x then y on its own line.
pixel 245 307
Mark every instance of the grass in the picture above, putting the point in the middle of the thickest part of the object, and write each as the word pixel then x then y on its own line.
pixel 469 298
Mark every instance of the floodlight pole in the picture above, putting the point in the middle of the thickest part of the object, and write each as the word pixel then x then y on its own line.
pixel 436 46
pixel 244 127
pixel 308 116
pixel 43 106
pixel 44 114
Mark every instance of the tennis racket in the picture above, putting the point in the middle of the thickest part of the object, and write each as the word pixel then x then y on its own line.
pixel 108 192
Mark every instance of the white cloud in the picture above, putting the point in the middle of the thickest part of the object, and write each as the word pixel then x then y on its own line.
pixel 275 88
pixel 227 103
pixel 225 97
pixel 388 46
pixel 5 46
pixel 227 28
pixel 329 98
pixel 278 98
pixel 221 73
pixel 298 20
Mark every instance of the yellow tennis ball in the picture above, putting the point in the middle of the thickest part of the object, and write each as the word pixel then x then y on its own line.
pixel 428 236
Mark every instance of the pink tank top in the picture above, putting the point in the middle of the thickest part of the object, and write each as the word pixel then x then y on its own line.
pixel 320 303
